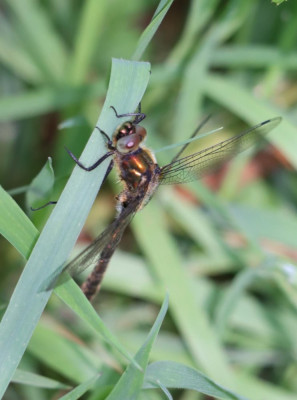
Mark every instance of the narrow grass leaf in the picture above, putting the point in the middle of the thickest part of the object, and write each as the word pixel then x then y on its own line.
pixel 86 41
pixel 127 84
pixel 259 223
pixel 198 15
pixel 15 226
pixel 47 50
pixel 195 222
pixel 40 101
pixel 72 295
pixel 122 267
pixel 190 318
pixel 232 296
pixel 151 29
pixel 257 389
pixel 14 56
pixel 248 107
pixel 41 186
pixel 255 56
pixel 194 139
pixel 81 389
pixel 35 380
pixel 70 358
pixel 178 376
pixel 18 190
pixel 191 93
pixel 130 383
pixel 286 279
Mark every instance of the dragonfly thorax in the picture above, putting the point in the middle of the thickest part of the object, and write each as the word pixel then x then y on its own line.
pixel 139 174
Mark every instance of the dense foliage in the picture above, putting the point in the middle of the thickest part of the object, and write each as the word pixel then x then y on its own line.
pixel 224 248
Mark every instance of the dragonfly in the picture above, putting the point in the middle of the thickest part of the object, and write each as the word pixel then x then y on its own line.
pixel 141 175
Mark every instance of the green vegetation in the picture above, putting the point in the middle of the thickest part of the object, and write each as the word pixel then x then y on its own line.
pixel 200 300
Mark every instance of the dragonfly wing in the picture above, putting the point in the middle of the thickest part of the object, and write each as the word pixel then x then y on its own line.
pixel 111 235
pixel 196 165
pixel 91 254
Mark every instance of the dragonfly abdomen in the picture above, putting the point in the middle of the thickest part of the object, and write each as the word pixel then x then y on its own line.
pixel 93 283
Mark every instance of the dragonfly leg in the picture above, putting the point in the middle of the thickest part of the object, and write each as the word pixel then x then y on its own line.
pixel 110 167
pixel 93 166
pixel 106 137
pixel 44 205
pixel 139 116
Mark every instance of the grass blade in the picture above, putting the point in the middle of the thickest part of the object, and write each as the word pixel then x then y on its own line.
pixel 151 29
pixel 81 389
pixel 179 376
pixel 252 110
pixel 190 319
pixel 15 226
pixel 127 84
pixel 131 381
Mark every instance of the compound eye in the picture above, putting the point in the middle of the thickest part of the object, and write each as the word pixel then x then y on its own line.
pixel 140 131
pixel 129 143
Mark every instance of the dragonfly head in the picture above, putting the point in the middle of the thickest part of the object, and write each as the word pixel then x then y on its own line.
pixel 128 137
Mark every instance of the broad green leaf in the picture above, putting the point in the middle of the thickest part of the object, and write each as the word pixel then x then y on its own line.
pixel 127 84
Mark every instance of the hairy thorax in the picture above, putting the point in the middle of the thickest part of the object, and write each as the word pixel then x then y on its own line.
pixel 138 173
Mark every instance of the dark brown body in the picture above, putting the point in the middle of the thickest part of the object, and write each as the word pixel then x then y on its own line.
pixel 139 174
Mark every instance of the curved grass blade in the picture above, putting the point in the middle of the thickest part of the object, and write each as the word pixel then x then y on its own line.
pixel 178 376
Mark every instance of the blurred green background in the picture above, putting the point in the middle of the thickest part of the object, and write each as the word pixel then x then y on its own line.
pixel 233 234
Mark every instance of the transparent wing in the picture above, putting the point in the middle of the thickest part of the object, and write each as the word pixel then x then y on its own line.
pixel 111 236
pixel 194 166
